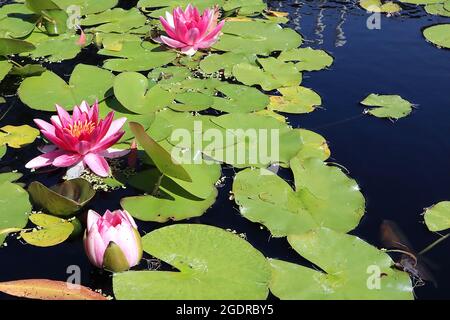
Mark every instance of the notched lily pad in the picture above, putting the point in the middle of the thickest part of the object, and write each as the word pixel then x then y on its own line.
pixel 17 136
pixel 213 264
pixel 352 269
pixel 438 35
pixel 387 106
pixel 437 217
pixel 295 100
pixel 51 232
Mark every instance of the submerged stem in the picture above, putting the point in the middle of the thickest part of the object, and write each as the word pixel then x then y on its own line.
pixel 431 246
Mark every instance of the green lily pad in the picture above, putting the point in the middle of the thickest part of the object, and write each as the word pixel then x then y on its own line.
pixel 438 35
pixel 387 106
pixel 192 101
pixel 295 100
pixel 3 150
pixel 16 20
pixel 323 196
pixel 240 98
pixel 133 92
pixel 160 157
pixel 352 270
pixel 87 82
pixel 170 75
pixel 438 9
pixel 421 1
pixel 115 41
pixel 115 20
pixel 253 141
pixel 169 5
pixel 308 59
pixel 245 7
pixel 226 62
pixel 14 208
pixel 52 231
pixel 437 217
pixel 251 37
pixel 5 67
pixel 55 48
pixel 64 199
pixel 17 137
pixel 314 146
pixel 87 6
pixel 137 56
pixel 378 6
pixel 172 202
pixel 273 75
pixel 14 46
pixel 229 269
pixel 10 176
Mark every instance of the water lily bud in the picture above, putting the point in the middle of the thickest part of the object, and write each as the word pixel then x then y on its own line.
pixel 112 241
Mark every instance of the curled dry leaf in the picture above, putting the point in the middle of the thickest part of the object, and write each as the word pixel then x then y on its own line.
pixel 44 289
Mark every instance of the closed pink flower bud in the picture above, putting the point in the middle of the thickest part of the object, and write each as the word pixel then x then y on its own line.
pixel 189 31
pixel 79 140
pixel 112 241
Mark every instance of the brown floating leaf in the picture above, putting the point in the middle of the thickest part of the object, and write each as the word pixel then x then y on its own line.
pixel 44 289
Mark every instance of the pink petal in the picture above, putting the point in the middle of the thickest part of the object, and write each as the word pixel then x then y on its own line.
pixel 66 160
pixel 189 50
pixel 84 106
pixel 44 125
pixel 168 28
pixel 171 42
pixel 113 129
pixel 97 164
pixel 92 218
pixel 43 160
pixel 214 33
pixel 63 115
pixel 193 35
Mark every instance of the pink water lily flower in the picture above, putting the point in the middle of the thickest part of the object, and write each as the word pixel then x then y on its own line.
pixel 189 31
pixel 79 140
pixel 112 241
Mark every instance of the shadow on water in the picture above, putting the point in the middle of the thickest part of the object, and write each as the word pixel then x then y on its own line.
pixel 402 167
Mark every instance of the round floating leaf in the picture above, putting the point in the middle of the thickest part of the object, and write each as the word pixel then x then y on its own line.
pixel 48 290
pixel 116 20
pixel 52 231
pixel 217 62
pixel 387 106
pixel 14 207
pixel 437 218
pixel 314 146
pixel 161 157
pixel 352 270
pixel 17 137
pixel 240 98
pixel 169 5
pixel 10 176
pixel 421 1
pixel 295 100
pixel 87 6
pixel 5 67
pixel 86 83
pixel 251 37
pixel 13 46
pixel 16 20
pixel 252 140
pixel 245 7
pixel 229 269
pixel 324 196
pixel 133 92
pixel 378 6
pixel 438 9
pixel 137 56
pixel 439 35
pixel 54 48
pixel 273 75
pixel 64 199
pixel 308 58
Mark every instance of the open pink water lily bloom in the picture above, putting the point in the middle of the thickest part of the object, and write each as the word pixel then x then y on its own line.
pixel 189 31
pixel 79 140
pixel 112 241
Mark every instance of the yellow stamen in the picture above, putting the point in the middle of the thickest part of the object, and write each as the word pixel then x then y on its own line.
pixel 78 128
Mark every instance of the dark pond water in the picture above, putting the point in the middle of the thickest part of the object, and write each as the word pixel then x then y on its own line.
pixel 402 167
